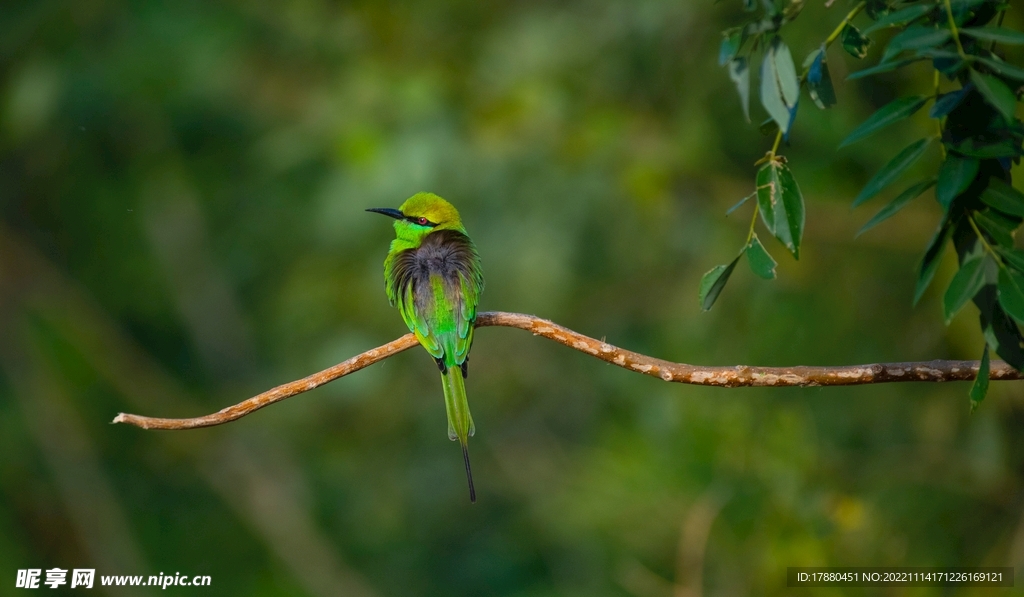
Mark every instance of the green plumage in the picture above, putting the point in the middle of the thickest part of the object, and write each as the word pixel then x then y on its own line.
pixel 432 274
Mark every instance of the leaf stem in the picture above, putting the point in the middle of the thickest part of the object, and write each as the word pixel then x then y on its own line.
pixel 775 146
pixel 938 121
pixel 999 23
pixel 984 242
pixel 846 21
pixel 953 30
pixel 753 221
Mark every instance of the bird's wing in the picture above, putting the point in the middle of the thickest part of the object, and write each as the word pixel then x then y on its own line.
pixel 439 306
pixel 449 308
pixel 421 324
pixel 470 286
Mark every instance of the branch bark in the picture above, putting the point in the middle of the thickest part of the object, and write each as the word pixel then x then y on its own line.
pixel 726 377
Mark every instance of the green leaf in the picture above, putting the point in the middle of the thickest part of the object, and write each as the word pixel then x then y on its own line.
pixel 999 229
pixel 732 39
pixel 893 170
pixel 853 42
pixel 896 204
pixel 1011 293
pixel 1007 148
pixel 900 17
pixel 965 284
pixel 945 103
pixel 955 175
pixel 1004 197
pixel 771 95
pixel 882 68
pixel 1004 68
pixel 915 38
pixel 712 283
pixel 768 194
pixel 930 261
pixel 760 261
pixel 947 62
pixel 1003 335
pixel 781 204
pixel 996 93
pixel 1013 257
pixel 819 81
pixel 780 87
pixel 894 111
pixel 739 72
pixel 788 79
pixel 996 34
pixel 980 387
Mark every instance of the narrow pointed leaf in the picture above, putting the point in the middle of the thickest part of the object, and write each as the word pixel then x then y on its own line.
pixel 947 102
pixel 712 283
pixel 893 170
pixel 1004 197
pixel 740 202
pixel 882 68
pixel 971 147
pixel 894 111
pixel 915 38
pixel 1013 257
pixel 793 201
pixel 997 34
pixel 955 175
pixel 965 284
pixel 999 229
pixel 930 261
pixel 900 17
pixel 896 204
pixel 980 387
pixel 1004 68
pixel 854 42
pixel 739 72
pixel 996 93
pixel 1011 293
pixel 760 261
pixel 1003 335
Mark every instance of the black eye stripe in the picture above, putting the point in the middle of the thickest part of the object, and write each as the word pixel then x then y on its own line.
pixel 416 220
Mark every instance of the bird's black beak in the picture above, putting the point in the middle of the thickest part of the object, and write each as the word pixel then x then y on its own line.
pixel 394 213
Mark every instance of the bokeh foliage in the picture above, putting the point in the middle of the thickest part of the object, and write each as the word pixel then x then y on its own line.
pixel 181 196
pixel 979 135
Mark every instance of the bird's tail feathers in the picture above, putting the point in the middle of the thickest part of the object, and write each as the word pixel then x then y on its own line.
pixel 460 421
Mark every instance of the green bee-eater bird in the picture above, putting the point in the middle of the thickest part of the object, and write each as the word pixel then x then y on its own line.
pixel 432 273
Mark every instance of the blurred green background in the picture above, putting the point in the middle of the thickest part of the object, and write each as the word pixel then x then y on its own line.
pixel 182 187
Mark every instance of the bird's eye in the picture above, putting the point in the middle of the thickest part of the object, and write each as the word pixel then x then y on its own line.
pixel 422 221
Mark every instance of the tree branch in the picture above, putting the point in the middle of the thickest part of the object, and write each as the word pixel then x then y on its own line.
pixel 727 377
